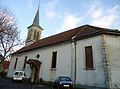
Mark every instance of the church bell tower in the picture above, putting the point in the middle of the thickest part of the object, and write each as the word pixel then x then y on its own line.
pixel 34 30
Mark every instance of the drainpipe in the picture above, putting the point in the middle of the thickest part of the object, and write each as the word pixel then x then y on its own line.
pixel 73 61
pixel 106 64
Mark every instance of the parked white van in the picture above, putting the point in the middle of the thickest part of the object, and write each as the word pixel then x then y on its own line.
pixel 19 76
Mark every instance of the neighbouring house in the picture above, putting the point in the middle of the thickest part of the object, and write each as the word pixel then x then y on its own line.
pixel 89 55
pixel 1 62
pixel 4 64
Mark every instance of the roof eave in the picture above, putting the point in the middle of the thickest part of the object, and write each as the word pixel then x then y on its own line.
pixel 98 33
pixel 34 25
pixel 66 41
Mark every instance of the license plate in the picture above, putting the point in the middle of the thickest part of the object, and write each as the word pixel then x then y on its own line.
pixel 66 85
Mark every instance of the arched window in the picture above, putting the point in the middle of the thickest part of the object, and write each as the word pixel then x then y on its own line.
pixel 25 60
pixel 15 63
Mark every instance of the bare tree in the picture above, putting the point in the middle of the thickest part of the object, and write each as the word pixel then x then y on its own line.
pixel 10 35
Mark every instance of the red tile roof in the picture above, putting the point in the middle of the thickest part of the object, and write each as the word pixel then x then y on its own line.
pixel 79 33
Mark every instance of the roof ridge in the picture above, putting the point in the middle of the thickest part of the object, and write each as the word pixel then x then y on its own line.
pixel 58 33
pixel 79 31
pixel 65 31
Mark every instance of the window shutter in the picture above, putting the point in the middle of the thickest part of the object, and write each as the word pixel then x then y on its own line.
pixel 54 58
pixel 89 57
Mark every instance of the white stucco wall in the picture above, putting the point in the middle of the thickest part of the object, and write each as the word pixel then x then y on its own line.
pixel 90 77
pixel 63 66
pixel 84 77
pixel 11 66
pixel 113 55
pixel 19 66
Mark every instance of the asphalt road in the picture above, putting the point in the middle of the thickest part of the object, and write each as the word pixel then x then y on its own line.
pixel 9 84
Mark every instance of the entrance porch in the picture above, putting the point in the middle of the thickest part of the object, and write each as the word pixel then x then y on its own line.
pixel 35 67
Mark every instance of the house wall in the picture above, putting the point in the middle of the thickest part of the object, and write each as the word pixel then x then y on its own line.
pixel 113 55
pixel 19 65
pixel 63 66
pixel 93 77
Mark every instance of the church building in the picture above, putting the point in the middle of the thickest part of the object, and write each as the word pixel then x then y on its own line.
pixel 89 55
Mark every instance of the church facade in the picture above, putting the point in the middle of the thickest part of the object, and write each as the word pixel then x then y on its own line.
pixel 89 55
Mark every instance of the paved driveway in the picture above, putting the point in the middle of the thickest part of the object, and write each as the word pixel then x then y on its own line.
pixel 8 84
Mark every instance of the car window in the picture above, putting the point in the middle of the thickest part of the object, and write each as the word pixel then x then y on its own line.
pixel 57 79
pixel 65 79
pixel 16 73
pixel 20 73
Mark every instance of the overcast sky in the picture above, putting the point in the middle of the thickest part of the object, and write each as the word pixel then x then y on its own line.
pixel 61 15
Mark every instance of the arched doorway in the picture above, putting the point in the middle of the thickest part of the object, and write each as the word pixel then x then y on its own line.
pixel 35 66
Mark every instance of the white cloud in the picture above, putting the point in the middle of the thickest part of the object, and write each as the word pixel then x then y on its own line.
pixel 69 21
pixel 49 8
pixel 104 18
pixel 97 14
pixel 105 21
pixel 50 14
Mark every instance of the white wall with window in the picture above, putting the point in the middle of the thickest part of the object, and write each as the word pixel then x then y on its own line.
pixel 47 73
pixel 86 74
pixel 90 74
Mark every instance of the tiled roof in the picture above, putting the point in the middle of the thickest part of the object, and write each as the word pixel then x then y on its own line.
pixel 78 33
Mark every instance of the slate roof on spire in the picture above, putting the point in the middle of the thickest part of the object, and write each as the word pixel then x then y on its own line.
pixel 36 19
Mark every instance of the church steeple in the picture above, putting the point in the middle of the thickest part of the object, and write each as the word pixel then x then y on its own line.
pixel 34 30
pixel 36 19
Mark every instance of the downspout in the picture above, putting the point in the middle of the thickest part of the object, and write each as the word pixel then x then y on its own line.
pixel 73 61
pixel 106 64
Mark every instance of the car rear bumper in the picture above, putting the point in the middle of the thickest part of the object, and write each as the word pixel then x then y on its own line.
pixel 66 86
pixel 19 79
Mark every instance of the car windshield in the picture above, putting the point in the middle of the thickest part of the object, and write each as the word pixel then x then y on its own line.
pixel 16 73
pixel 21 73
pixel 65 79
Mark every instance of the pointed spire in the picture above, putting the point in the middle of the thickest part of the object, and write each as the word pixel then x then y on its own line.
pixel 36 19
